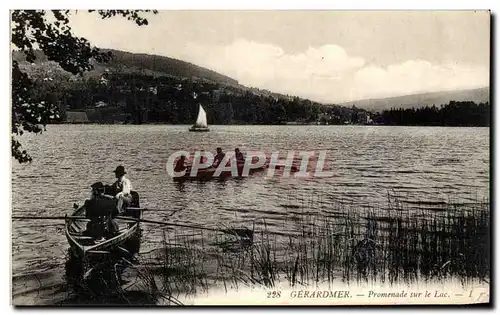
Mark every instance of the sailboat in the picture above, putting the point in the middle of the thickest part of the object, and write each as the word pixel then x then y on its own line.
pixel 201 121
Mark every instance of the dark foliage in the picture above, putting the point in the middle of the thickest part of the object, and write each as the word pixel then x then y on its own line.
pixel 49 32
pixel 452 114
pixel 137 96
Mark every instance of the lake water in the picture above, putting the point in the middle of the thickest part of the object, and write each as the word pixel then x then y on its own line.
pixel 367 162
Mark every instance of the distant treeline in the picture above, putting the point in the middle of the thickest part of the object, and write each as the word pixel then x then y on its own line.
pixel 148 98
pixel 125 96
pixel 452 114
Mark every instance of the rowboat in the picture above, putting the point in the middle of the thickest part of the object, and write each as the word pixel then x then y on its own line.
pixel 87 247
pixel 210 172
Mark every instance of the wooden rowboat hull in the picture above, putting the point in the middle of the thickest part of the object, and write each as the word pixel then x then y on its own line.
pixel 209 173
pixel 85 247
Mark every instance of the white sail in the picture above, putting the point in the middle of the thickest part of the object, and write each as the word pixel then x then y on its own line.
pixel 201 121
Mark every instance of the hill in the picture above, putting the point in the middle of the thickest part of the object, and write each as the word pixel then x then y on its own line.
pixel 481 95
pixel 130 62
pixel 141 88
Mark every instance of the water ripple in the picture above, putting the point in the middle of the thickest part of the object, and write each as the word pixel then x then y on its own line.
pixel 414 163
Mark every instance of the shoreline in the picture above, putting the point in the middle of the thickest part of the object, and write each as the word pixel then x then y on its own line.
pixel 283 125
pixel 347 251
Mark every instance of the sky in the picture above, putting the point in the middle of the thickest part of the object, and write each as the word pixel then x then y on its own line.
pixel 326 56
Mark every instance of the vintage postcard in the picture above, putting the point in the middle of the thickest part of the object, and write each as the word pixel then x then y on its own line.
pixel 250 157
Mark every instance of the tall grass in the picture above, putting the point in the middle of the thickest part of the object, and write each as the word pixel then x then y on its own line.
pixel 391 244
pixel 395 244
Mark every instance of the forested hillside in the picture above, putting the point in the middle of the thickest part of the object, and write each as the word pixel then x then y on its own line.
pixel 138 88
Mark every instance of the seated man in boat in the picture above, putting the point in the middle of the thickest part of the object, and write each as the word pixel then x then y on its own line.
pixel 202 158
pixel 99 210
pixel 123 188
pixel 181 164
pixel 100 190
pixel 218 157
pixel 239 156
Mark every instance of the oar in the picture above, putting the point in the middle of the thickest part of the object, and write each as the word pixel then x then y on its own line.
pixel 165 223
pixel 247 233
pixel 75 217
pixel 148 209
pixel 76 206
pixel 48 218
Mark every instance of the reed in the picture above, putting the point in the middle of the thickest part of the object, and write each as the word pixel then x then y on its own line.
pixel 391 243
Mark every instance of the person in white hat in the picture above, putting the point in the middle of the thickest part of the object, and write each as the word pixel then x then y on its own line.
pixel 123 187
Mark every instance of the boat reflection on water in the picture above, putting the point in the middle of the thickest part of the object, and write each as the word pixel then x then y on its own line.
pixel 100 280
